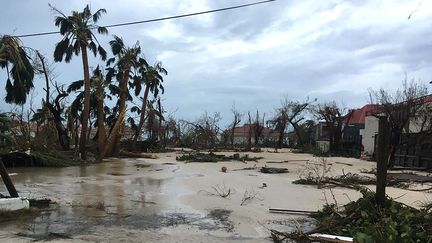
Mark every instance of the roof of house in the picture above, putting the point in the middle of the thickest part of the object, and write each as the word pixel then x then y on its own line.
pixel 358 116
pixel 245 130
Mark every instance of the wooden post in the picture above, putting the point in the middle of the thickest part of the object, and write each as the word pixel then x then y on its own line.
pixel 382 155
pixel 7 180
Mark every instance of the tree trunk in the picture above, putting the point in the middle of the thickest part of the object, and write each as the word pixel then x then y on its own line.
pixel 112 138
pixel 298 134
pixel 280 139
pixel 101 117
pixel 142 117
pixel 62 132
pixel 7 180
pixel 86 109
pixel 113 142
pixel 382 155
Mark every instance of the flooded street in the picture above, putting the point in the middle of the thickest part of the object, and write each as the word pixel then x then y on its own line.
pixel 121 200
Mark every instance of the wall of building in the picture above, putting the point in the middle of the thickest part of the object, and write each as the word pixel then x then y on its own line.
pixel 368 134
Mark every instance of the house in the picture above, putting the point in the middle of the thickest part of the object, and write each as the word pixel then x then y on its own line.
pixel 241 134
pixel 409 147
pixel 352 126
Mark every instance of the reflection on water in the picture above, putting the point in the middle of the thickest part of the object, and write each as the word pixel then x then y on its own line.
pixel 116 193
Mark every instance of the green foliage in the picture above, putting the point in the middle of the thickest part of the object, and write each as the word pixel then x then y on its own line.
pixel 20 72
pixel 367 222
pixel 55 159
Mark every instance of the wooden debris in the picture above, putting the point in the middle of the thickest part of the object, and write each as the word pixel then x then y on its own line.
pixel 287 161
pixel 290 211
pixel 125 153
pixel 331 238
pixel 273 170
pixel 343 163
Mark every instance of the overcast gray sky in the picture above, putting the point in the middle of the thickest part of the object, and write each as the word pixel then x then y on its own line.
pixel 329 50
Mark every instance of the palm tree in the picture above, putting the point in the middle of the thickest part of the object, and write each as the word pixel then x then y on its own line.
pixel 76 30
pixel 152 76
pixel 126 61
pixel 97 107
pixel 20 74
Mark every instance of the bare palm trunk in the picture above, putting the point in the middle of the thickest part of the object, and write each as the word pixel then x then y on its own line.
pixel 100 118
pixel 86 109
pixel 113 142
pixel 142 117
pixel 110 143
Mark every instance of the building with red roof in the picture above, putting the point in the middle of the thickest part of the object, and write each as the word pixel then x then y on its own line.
pixel 241 134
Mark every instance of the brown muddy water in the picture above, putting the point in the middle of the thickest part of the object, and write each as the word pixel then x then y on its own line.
pixel 115 201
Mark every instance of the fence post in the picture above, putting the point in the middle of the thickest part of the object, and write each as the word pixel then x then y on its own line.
pixel 7 180
pixel 382 155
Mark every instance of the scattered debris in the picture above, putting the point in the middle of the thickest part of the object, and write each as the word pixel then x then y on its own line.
pixel 248 196
pixel 40 203
pixel 246 168
pixel 212 157
pixel 273 170
pixel 343 163
pixel 117 174
pixel 138 165
pixel 224 169
pixel 221 191
pixel 366 222
pixel 290 211
pixel 331 238
pixel 169 163
pixel 124 153
pixel 287 161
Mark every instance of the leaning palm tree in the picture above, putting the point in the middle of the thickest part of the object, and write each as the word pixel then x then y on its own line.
pixel 152 77
pixel 126 62
pixel 77 31
pixel 20 71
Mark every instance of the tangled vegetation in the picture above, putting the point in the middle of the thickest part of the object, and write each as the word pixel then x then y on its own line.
pixel 367 222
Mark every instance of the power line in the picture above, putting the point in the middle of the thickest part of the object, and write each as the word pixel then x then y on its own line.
pixel 159 19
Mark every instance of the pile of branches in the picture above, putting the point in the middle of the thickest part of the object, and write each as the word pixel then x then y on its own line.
pixel 368 222
pixel 212 157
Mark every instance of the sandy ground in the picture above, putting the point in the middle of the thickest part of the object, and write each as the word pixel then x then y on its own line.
pixel 164 200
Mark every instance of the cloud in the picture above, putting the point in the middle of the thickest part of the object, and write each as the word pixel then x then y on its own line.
pixel 330 50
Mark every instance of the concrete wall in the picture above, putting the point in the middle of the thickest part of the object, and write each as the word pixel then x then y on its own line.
pixel 368 134
pixel 324 146
pixel 11 204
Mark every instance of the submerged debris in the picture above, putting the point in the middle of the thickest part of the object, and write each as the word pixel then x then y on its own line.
pixel 273 170
pixel 212 157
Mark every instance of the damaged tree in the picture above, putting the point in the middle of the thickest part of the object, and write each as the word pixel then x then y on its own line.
pixel 400 108
pixel 290 113
pixel 236 121
pixel 335 119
